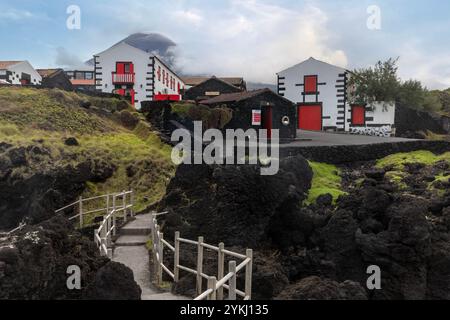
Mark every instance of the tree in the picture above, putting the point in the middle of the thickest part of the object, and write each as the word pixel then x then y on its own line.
pixel 381 83
pixel 378 83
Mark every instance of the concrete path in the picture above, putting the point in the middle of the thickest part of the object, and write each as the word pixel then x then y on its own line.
pixel 321 138
pixel 130 249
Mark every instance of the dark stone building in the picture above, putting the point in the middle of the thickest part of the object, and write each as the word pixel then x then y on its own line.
pixel 272 110
pixel 55 78
pixel 210 88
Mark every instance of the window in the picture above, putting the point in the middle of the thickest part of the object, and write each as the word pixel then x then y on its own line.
pixel 159 73
pixel 127 67
pixel 2 72
pixel 89 75
pixel 358 116
pixel 310 84
pixel 79 75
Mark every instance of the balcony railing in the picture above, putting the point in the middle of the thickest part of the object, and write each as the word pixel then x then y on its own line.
pixel 122 78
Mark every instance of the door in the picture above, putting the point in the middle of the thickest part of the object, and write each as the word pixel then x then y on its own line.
pixel 267 121
pixel 310 117
pixel 358 115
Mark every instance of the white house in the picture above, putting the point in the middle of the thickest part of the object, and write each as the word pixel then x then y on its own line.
pixel 319 90
pixel 129 71
pixel 19 73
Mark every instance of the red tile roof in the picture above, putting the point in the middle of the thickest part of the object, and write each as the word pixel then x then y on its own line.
pixel 82 82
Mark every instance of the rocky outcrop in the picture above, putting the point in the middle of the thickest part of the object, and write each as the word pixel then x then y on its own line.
pixel 34 262
pixel 315 288
pixel 235 204
pixel 321 251
pixel 33 183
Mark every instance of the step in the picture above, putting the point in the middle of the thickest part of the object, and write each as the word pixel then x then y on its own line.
pixel 137 231
pixel 131 240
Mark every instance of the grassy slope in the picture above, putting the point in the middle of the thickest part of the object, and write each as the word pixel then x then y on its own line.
pixel 395 165
pixel 30 116
pixel 326 179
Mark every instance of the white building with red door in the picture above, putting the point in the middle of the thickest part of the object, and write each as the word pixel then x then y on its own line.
pixel 319 91
pixel 140 75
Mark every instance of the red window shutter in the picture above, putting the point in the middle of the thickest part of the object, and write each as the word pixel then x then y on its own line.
pixel 358 115
pixel 311 84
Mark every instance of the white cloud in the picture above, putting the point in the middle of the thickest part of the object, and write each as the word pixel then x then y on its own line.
pixel 192 17
pixel 15 15
pixel 66 59
pixel 256 40
pixel 431 68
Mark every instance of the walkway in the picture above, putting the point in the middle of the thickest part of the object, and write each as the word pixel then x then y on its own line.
pixel 130 249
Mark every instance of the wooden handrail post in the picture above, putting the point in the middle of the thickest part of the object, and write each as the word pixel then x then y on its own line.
pixel 232 282
pixel 114 214
pixel 199 265
pixel 80 208
pixel 220 267
pixel 248 274
pixel 132 202
pixel 212 281
pixel 176 259
pixel 154 246
pixel 161 257
pixel 124 203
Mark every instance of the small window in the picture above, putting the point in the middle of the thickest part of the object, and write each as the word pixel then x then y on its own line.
pixel 310 84
pixel 127 67
pixel 89 75
pixel 79 75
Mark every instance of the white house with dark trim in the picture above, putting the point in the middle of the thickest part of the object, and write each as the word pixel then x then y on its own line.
pixel 130 71
pixel 19 73
pixel 319 90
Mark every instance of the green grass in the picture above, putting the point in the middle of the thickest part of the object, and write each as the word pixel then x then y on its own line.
pixel 326 180
pixel 47 117
pixel 395 164
pixel 397 161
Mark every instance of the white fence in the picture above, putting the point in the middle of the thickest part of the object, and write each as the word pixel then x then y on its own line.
pixel 215 284
pixel 112 206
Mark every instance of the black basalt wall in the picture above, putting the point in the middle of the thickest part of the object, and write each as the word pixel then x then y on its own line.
pixel 355 153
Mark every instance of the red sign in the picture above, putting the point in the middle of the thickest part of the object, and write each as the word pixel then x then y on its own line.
pixel 256 117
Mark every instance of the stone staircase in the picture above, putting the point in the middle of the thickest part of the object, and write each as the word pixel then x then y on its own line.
pixel 130 249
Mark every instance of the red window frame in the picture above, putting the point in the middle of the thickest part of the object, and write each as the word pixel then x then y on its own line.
pixel 310 84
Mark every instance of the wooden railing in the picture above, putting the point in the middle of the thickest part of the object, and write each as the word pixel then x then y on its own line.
pixel 215 284
pixel 108 228
pixel 111 206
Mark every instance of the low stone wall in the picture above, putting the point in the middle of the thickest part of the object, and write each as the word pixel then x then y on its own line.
pixel 355 153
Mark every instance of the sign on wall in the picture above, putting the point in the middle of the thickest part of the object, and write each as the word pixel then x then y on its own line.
pixel 256 117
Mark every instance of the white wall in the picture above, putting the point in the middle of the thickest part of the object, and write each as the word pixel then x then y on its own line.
pixel 24 67
pixel 382 114
pixel 327 73
pixel 162 87
pixel 146 83
pixel 106 64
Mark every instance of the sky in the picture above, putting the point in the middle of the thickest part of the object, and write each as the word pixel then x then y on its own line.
pixel 250 38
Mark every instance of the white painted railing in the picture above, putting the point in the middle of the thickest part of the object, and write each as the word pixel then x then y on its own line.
pixel 122 203
pixel 215 284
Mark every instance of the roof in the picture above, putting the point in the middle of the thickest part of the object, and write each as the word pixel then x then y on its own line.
pixel 44 73
pixel 311 59
pixel 195 81
pixel 82 82
pixel 239 96
pixel 7 64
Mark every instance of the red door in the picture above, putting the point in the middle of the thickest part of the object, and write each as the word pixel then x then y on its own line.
pixel 267 121
pixel 310 117
pixel 358 115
